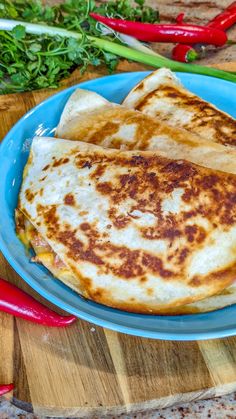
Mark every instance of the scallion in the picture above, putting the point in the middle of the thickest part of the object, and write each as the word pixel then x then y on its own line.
pixel 117 49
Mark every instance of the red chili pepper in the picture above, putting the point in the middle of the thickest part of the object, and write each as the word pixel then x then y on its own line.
pixel 149 32
pixel 5 388
pixel 180 18
pixel 223 21
pixel 184 53
pixel 16 302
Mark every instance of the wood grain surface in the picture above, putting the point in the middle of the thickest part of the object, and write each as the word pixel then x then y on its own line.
pixel 86 371
pixel 198 12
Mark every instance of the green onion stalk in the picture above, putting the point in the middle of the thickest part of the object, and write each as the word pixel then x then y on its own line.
pixel 119 50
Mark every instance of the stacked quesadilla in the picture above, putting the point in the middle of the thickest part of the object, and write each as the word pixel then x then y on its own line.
pixel 137 212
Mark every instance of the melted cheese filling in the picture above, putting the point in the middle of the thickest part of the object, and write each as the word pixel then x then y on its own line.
pixel 44 254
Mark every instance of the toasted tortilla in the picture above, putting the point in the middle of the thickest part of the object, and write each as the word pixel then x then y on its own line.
pixel 161 95
pixel 139 232
pixel 89 117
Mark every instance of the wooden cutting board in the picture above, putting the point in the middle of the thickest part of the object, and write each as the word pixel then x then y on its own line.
pixel 85 370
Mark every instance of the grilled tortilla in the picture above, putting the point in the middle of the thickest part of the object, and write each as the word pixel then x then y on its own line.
pixel 161 95
pixel 89 117
pixel 135 230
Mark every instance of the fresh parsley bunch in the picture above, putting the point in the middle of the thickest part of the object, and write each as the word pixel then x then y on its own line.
pixel 30 62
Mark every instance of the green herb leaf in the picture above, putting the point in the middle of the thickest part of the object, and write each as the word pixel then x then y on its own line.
pixel 35 47
pixel 140 2
pixel 18 32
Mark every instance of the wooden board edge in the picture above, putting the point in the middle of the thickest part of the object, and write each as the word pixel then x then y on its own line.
pixel 169 401
pixel 25 406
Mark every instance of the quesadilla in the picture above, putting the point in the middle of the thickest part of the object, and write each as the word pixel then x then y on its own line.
pixel 162 96
pixel 130 229
pixel 89 117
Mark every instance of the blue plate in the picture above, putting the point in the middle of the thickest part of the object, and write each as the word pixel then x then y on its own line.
pixel 42 120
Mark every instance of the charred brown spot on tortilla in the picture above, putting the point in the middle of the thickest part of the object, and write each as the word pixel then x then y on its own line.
pixel 60 162
pixel 85 226
pixel 46 167
pixel 220 275
pixel 98 172
pixel 183 255
pixel 196 281
pixel 30 195
pixel 97 127
pixel 42 179
pixel 82 213
pixel 190 232
pixel 209 181
pixel 130 266
pixel 168 228
pixel 87 164
pixel 189 214
pixel 50 216
pixel 97 294
pixel 139 160
pixel 195 233
pixel 127 179
pixel 108 129
pixel 104 188
pixel 39 208
pixel 201 236
pixel 76 247
pixel 139 86
pixel 119 221
pixel 69 199
pixel 155 264
pixel 145 129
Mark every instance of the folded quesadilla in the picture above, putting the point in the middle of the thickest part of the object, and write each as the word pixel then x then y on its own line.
pixel 129 229
pixel 89 117
pixel 161 95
